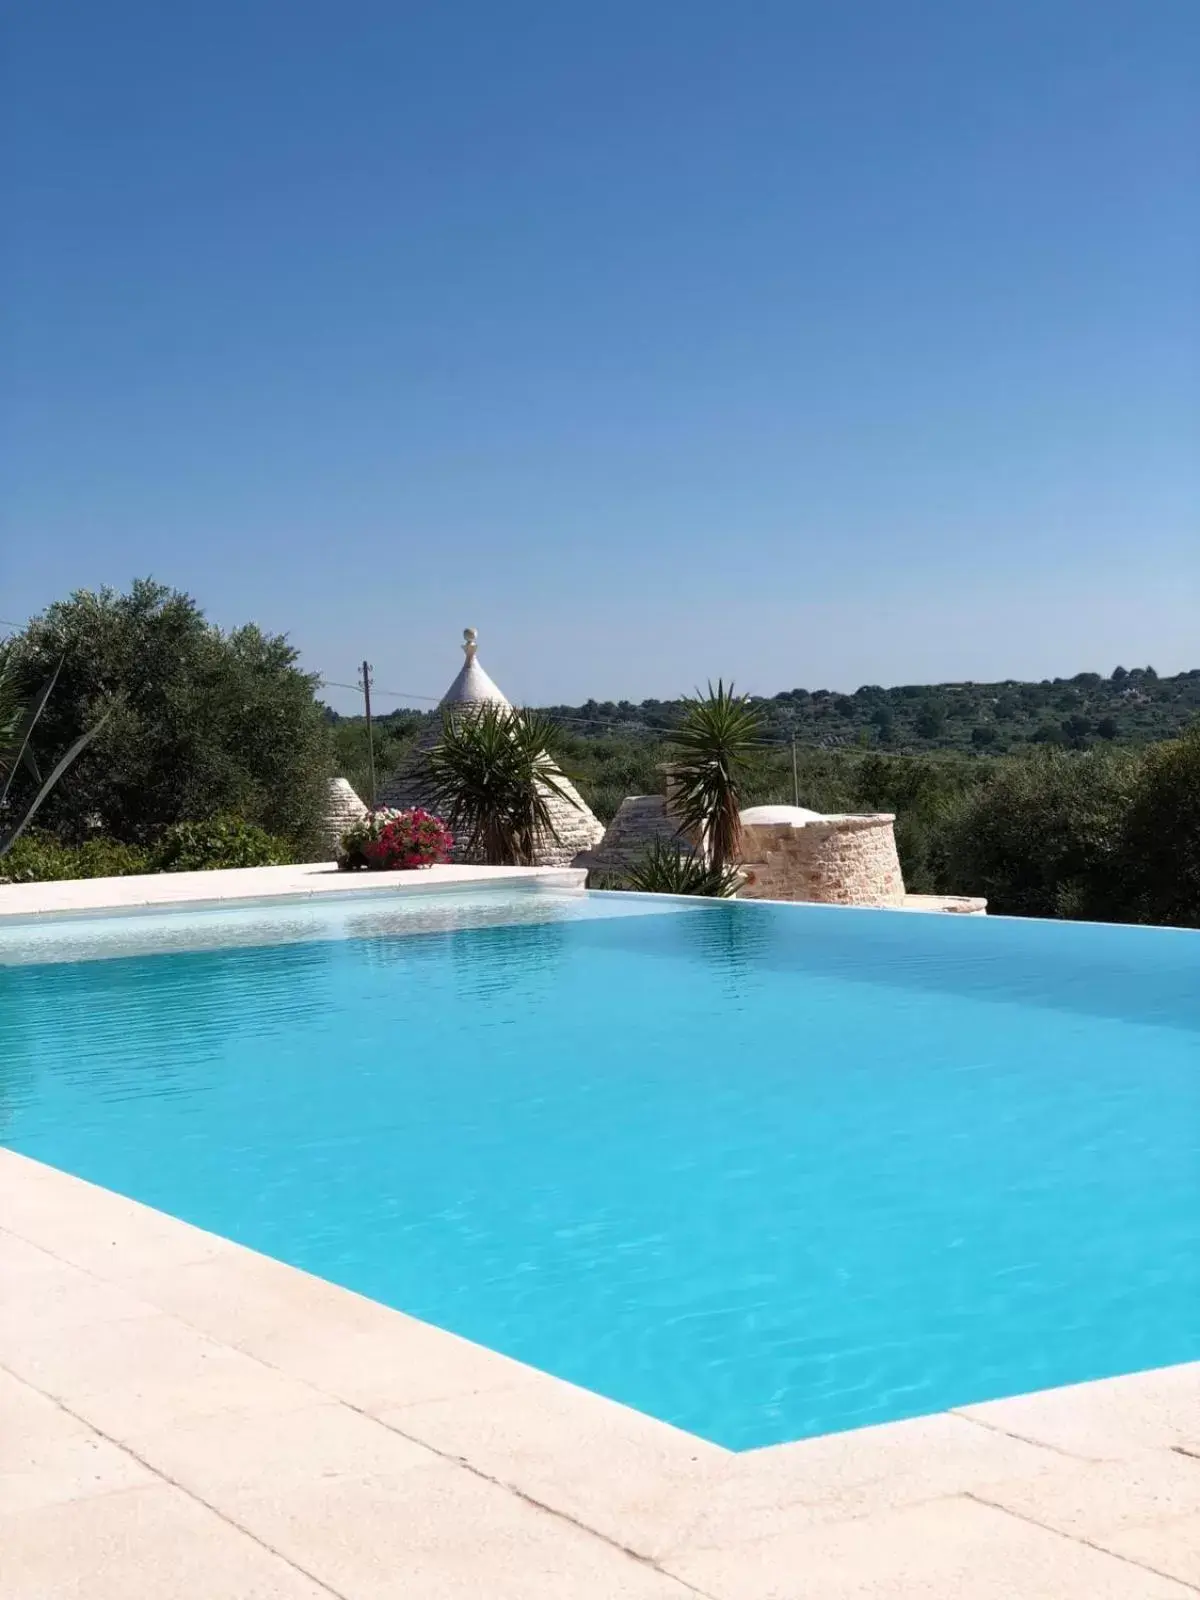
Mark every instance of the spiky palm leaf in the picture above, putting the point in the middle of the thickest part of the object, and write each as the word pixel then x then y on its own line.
pixel 494 779
pixel 719 734
pixel 666 869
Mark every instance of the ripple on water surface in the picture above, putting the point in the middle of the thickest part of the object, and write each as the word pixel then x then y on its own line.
pixel 761 1171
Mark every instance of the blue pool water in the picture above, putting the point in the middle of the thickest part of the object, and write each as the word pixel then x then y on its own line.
pixel 761 1171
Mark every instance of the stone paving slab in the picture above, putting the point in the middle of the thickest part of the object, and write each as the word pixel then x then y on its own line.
pixel 1109 1421
pixel 948 1548
pixel 151 1543
pixel 253 883
pixel 182 1419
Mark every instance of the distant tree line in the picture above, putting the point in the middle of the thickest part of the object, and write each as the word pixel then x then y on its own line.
pixel 1075 797
pixel 1110 831
pixel 1133 706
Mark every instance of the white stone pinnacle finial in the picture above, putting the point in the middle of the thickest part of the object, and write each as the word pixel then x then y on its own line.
pixel 470 644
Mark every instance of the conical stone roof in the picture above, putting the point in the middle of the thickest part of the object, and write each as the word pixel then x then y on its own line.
pixel 473 687
pixel 342 808
pixel 576 826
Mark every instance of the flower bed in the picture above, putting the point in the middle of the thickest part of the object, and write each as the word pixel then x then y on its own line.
pixel 394 841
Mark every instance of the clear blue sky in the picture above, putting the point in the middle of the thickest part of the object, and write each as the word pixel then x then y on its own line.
pixel 816 342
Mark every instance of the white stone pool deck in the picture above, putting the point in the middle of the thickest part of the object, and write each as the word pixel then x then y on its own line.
pixel 80 895
pixel 184 1419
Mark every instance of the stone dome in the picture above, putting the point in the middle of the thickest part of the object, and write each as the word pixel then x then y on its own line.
pixel 779 816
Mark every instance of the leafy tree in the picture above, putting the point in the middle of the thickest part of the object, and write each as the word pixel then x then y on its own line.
pixel 19 718
pixel 495 779
pixel 393 737
pixel 201 723
pixel 1160 845
pixel 930 721
pixel 1043 837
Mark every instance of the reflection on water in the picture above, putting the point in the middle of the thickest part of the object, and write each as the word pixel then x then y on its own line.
pixel 375 915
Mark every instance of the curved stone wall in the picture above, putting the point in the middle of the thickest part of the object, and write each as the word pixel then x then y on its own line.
pixel 837 861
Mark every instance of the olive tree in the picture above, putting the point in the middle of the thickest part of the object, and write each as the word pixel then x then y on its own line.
pixel 198 722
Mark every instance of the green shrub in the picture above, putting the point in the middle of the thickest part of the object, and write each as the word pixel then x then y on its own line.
pixel 1160 841
pixel 36 858
pixel 109 858
pixel 220 842
pixel 41 858
pixel 187 847
pixel 1044 836
pixel 668 869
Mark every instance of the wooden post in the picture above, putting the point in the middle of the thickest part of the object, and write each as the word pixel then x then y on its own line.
pixel 366 689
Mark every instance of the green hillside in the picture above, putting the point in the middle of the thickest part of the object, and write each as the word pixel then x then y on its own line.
pixel 1128 707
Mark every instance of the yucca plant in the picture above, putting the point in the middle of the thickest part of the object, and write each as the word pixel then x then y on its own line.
pixel 18 718
pixel 494 779
pixel 667 869
pixel 714 744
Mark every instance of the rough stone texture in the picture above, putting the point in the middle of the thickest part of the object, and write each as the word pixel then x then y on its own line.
pixel 576 827
pixel 839 861
pixel 342 808
pixel 788 854
pixel 641 820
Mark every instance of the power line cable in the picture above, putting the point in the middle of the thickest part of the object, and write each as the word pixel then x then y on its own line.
pixel 600 726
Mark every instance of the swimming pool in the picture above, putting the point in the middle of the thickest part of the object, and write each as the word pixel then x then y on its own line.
pixel 762 1171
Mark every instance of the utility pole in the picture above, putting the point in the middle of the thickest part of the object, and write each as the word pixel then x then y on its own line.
pixel 366 694
pixel 795 774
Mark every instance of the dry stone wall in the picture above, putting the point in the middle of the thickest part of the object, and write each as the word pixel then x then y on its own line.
pixel 839 861
pixel 640 822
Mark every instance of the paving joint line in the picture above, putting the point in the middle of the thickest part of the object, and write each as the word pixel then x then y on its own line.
pixel 165 1477
pixel 1022 1438
pixel 1077 1538
pixel 335 1399
pixel 531 1500
pixel 442 1455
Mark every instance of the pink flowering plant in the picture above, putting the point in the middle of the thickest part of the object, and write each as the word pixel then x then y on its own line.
pixel 392 841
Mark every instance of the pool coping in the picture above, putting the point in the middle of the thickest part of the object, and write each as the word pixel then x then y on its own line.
pixel 197 890
pixel 192 1419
